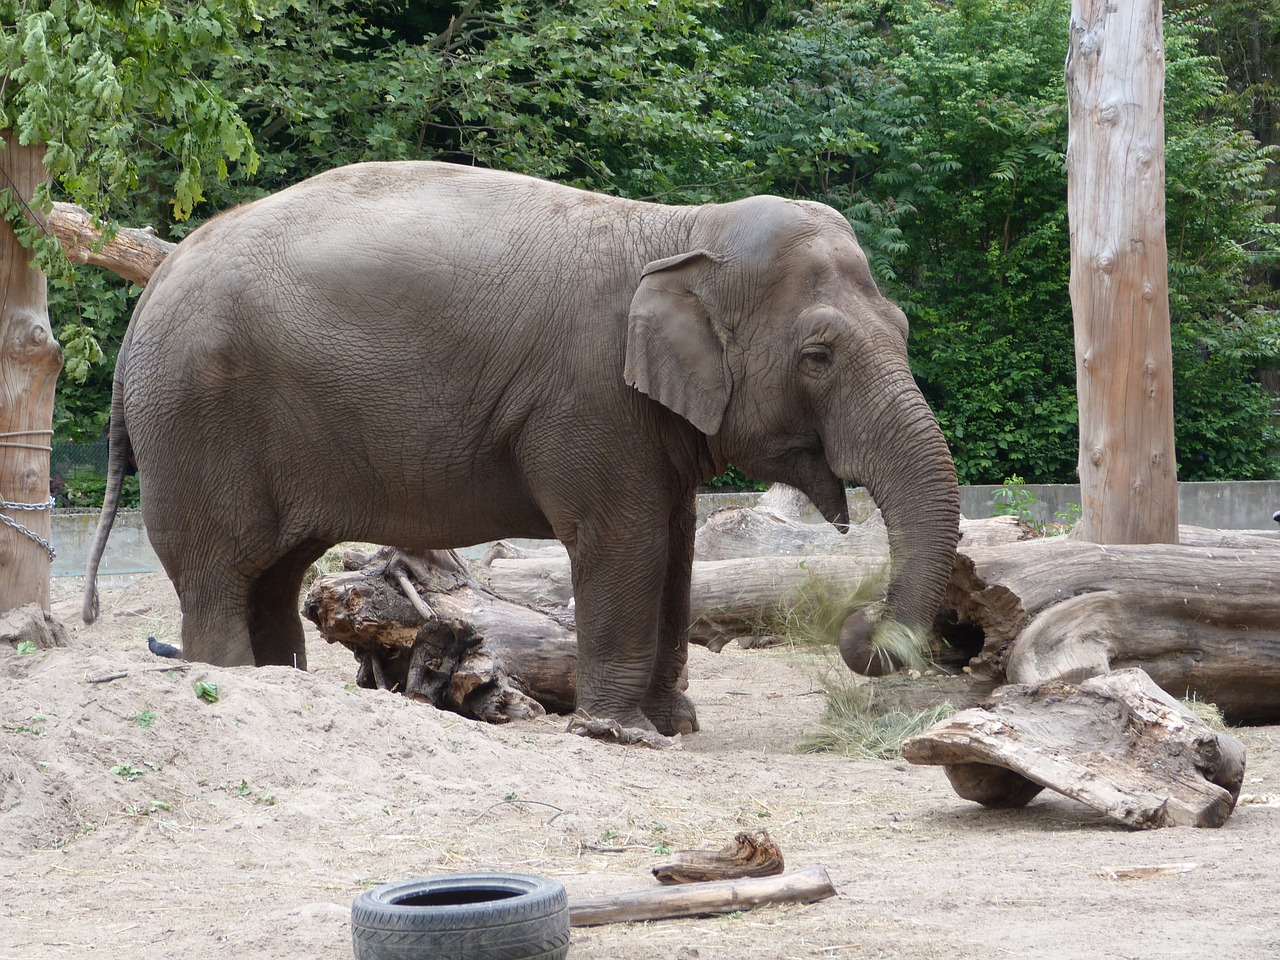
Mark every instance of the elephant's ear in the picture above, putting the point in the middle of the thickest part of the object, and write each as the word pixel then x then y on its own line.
pixel 675 350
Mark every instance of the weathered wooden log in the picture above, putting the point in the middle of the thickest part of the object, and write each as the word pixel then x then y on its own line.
pixel 1117 743
pixel 702 899
pixel 746 855
pixel 132 253
pixel 367 611
pixel 1200 620
pixel 727 597
pixel 770 562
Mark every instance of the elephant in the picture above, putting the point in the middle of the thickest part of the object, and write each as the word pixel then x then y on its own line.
pixel 431 355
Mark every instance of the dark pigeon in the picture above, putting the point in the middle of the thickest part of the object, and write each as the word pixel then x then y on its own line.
pixel 163 649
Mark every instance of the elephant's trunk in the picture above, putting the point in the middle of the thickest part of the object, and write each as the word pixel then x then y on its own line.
pixel 911 476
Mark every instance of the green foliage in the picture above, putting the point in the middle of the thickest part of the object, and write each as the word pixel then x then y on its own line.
pixel 94 80
pixel 1015 500
pixel 85 487
pixel 939 130
pixel 115 92
pixel 732 480
pixel 207 691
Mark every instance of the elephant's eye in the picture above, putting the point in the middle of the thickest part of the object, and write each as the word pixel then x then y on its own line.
pixel 816 358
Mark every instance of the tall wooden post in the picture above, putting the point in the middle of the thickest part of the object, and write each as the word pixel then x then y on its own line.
pixel 1119 272
pixel 30 361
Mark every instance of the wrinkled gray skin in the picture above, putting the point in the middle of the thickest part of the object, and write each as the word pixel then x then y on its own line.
pixel 432 356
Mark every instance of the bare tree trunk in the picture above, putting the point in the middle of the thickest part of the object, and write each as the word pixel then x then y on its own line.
pixel 30 361
pixel 1119 265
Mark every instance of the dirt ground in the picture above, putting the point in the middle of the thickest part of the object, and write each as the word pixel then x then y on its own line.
pixel 138 820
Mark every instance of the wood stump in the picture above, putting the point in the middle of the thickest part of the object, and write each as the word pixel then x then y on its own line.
pixel 1117 743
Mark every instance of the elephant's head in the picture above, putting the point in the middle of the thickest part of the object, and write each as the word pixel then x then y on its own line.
pixel 771 337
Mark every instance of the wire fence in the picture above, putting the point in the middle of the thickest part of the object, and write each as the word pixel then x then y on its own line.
pixel 78 475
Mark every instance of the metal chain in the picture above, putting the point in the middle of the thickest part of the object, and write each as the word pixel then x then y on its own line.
pixel 10 522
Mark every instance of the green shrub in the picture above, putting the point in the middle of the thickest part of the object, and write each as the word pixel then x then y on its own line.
pixel 86 488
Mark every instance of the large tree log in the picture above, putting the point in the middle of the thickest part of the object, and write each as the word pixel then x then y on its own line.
pixel 424 626
pixel 1201 620
pixel 1117 743
pixel 439 655
pixel 750 564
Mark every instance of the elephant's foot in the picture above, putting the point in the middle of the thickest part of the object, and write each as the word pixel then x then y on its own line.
pixel 611 731
pixel 671 714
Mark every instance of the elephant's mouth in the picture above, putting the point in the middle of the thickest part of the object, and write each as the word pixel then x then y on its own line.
pixel 821 484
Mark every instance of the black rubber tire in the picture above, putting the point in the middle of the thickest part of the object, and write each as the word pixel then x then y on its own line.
pixel 462 916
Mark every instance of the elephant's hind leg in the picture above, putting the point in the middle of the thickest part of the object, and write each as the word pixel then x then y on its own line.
pixel 215 624
pixel 275 627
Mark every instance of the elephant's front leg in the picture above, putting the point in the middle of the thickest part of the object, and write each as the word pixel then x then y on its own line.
pixel 618 587
pixel 665 703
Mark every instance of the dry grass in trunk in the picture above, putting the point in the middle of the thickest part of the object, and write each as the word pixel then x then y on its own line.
pixel 818 609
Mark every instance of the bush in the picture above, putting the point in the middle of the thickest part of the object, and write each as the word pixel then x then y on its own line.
pixel 85 487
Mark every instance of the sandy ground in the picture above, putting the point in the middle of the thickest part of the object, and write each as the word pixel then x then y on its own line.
pixel 139 821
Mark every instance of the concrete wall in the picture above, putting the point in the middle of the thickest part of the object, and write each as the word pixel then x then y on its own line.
pixel 1244 505
pixel 1239 505
pixel 128 550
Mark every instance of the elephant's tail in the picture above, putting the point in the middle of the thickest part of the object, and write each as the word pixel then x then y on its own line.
pixel 119 463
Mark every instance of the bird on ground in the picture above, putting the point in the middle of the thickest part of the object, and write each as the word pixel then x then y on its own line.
pixel 161 649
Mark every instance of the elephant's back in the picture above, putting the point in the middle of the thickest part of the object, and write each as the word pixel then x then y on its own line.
pixel 394 246
pixel 451 294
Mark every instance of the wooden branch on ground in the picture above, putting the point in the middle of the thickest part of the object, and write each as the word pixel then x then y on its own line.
pixel 746 855
pixel 1117 743
pixel 1202 620
pixel 132 253
pixel 702 899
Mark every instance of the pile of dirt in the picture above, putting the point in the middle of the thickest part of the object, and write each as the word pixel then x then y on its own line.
pixel 142 819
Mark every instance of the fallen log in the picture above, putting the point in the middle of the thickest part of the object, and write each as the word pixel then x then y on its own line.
pixel 1201 620
pixel 766 564
pixel 1117 743
pixel 702 899
pixel 499 650
pixel 526 663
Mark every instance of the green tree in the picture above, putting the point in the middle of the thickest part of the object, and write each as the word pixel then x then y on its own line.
pixel 87 88
pixel 981 260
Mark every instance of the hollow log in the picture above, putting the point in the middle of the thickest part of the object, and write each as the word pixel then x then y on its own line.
pixel 1201 620
pixel 1117 743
